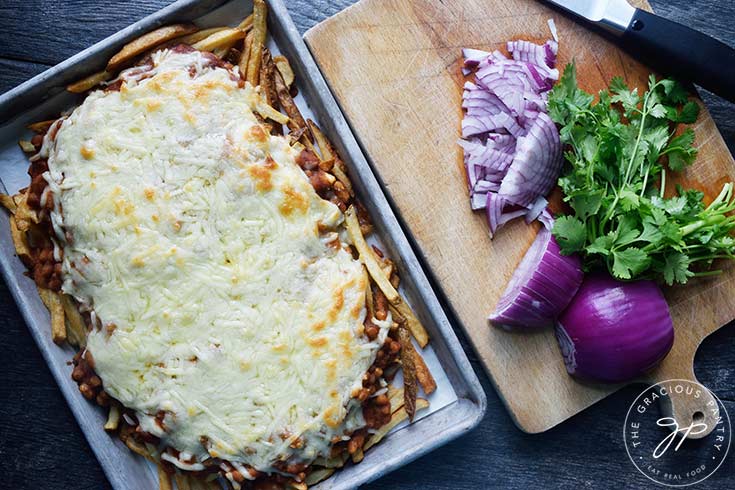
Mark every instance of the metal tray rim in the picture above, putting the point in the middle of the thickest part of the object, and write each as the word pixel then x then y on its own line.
pixel 279 16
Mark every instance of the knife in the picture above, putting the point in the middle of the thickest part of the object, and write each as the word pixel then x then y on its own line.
pixel 668 47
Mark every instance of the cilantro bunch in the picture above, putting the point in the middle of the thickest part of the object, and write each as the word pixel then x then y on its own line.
pixel 619 151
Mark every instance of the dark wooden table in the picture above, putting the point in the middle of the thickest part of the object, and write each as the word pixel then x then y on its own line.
pixel 41 446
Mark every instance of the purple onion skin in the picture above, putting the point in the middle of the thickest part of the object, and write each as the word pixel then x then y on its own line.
pixel 541 287
pixel 615 331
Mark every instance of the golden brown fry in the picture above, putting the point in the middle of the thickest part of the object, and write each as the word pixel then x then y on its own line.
pixel 396 419
pixel 222 51
pixel 20 242
pixel 146 42
pixel 395 396
pixel 426 380
pixel 89 82
pixel 402 310
pixel 284 67
pixel 113 417
pixel 297 122
pixel 358 456
pixel 245 55
pixel 8 203
pixel 328 153
pixel 26 146
pixel 41 127
pixel 367 257
pixel 23 213
pixel 164 479
pixel 198 36
pixel 76 328
pixel 369 298
pixel 247 23
pixel 297 485
pixel 318 475
pixel 219 39
pixel 53 303
pixel 270 113
pixel 268 83
pixel 260 15
pixel 332 462
pixel 408 366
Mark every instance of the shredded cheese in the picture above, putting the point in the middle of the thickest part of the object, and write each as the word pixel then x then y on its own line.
pixel 194 232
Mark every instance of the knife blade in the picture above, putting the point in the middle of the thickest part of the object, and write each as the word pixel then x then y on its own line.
pixel 666 46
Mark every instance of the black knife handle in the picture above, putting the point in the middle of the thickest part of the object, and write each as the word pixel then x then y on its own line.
pixel 680 51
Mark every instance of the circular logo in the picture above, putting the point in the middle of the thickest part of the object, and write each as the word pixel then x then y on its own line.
pixel 670 451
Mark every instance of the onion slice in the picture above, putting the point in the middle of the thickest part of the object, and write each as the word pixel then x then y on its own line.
pixel 615 331
pixel 541 287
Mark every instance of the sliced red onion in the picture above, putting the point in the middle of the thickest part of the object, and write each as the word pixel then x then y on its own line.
pixel 541 287
pixel 536 165
pixel 496 213
pixel 512 152
pixel 472 57
pixel 614 331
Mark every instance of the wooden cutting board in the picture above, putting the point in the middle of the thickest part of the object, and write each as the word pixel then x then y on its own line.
pixel 394 66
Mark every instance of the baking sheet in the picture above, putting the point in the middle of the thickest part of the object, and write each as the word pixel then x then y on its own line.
pixel 128 471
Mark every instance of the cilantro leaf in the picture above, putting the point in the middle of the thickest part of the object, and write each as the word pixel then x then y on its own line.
pixel 570 234
pixel 680 150
pixel 629 262
pixel 676 268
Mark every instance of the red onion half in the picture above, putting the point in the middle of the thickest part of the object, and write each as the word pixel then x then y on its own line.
pixel 614 331
pixel 541 287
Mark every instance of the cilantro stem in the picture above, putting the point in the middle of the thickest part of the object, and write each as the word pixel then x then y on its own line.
pixel 663 184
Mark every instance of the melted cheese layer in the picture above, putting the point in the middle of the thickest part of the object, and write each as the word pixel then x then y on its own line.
pixel 195 238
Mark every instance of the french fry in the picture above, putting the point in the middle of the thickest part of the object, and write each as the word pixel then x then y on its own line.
pixel 146 42
pixel 247 23
pixel 270 113
pixel 260 14
pixel 395 396
pixel 284 67
pixel 89 82
pixel 53 302
pixel 8 203
pixel 332 462
pixel 26 146
pixel 297 485
pixel 164 479
pixel 426 380
pixel 245 55
pixel 297 121
pixel 219 39
pixel 319 475
pixel 410 383
pixel 41 126
pixel 76 328
pixel 113 417
pixel 358 456
pixel 414 324
pixel 20 242
pixel 24 213
pixel 222 51
pixel 367 256
pixel 197 36
pixel 396 419
pixel 268 83
pixel 327 151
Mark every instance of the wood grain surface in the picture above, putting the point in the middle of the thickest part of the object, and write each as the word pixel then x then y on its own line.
pixel 41 446
pixel 399 82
